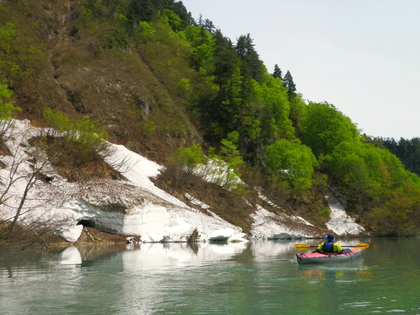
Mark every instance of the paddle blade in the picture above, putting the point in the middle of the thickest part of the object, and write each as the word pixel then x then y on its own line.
pixel 303 246
pixel 362 245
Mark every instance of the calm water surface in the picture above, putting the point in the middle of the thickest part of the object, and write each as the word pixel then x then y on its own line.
pixel 253 278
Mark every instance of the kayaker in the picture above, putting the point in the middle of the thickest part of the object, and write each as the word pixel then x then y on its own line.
pixel 329 246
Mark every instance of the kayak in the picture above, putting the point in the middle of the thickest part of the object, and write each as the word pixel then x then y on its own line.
pixel 348 254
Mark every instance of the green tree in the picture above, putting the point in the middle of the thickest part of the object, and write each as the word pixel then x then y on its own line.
pixel 149 10
pixel 323 127
pixel 272 110
pixel 348 168
pixel 19 58
pixel 86 134
pixel 202 47
pixel 366 174
pixel 224 167
pixel 408 151
pixel 230 153
pixel 189 157
pixel 394 217
pixel 277 72
pixel 219 115
pixel 251 65
pixel 7 108
pixel 290 85
pixel 293 162
pixel 251 72
pixel 207 24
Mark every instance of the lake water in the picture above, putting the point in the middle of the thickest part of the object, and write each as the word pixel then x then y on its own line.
pixel 252 278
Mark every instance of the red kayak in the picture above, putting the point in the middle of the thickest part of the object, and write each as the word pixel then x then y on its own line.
pixel 348 254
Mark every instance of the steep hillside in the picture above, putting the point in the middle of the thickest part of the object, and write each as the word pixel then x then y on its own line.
pixel 70 71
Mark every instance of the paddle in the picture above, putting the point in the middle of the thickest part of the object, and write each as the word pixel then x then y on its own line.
pixel 305 246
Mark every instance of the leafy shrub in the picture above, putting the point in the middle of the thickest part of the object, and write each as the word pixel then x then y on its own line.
pixel 189 157
pixel 324 213
pixel 7 108
pixel 78 150
pixel 84 132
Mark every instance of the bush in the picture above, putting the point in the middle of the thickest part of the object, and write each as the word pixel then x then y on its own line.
pixel 189 157
pixel 7 109
pixel 87 134
pixel 78 151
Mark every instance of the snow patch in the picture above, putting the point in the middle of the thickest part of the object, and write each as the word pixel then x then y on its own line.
pixel 218 172
pixel 227 235
pixel 71 233
pixel 341 223
pixel 267 224
pixel 268 201
pixel 197 202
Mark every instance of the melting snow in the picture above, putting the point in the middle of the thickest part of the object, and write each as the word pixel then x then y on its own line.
pixel 340 223
pixel 197 202
pixel 148 210
pixel 268 224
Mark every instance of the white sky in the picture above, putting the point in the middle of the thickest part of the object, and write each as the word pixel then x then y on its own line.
pixel 361 56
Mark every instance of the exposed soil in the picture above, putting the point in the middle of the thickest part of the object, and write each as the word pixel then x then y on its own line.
pixel 23 239
pixel 91 235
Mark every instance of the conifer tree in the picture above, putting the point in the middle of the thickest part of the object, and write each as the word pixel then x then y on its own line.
pixel 277 72
pixel 289 84
pixel 251 63
pixel 219 113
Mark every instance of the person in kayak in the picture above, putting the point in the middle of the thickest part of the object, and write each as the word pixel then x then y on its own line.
pixel 329 246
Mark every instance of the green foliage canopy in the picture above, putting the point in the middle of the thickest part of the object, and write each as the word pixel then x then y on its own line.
pixel 323 127
pixel 399 214
pixel 366 173
pixel 291 161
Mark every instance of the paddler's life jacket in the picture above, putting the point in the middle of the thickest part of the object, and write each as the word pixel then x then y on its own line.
pixel 328 247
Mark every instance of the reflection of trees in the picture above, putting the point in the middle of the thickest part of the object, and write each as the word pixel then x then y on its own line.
pixel 332 282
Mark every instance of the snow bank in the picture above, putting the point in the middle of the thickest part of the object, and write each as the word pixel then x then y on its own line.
pixel 134 206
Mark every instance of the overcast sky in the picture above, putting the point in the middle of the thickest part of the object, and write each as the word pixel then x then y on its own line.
pixel 361 56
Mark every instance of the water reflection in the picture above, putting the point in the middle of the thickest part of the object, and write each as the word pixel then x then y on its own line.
pixel 152 257
pixel 203 278
pixel 341 274
pixel 70 256
pixel 174 254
